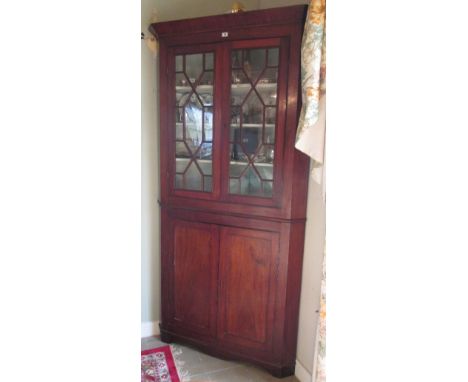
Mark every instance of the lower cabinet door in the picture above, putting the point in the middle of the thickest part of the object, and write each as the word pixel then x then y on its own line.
pixel 248 267
pixel 195 277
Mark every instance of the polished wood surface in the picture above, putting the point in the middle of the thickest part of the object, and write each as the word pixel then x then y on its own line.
pixel 195 275
pixel 290 164
pixel 247 287
pixel 269 18
pixel 231 264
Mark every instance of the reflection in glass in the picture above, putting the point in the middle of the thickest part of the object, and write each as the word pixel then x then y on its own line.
pixel 254 76
pixel 193 66
pixel 194 83
pixel 208 124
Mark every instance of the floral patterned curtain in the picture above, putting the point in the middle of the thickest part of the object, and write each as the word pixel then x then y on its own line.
pixel 310 137
pixel 319 372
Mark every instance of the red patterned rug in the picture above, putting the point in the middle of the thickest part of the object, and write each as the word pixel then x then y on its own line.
pixel 158 365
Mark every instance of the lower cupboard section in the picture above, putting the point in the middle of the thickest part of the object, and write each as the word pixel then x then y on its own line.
pixel 225 290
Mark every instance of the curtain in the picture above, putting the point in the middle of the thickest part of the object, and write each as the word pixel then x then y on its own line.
pixel 319 372
pixel 310 139
pixel 310 135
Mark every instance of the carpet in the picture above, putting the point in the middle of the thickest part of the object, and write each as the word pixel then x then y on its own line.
pixel 159 365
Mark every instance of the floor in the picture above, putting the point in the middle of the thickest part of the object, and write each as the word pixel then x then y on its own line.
pixel 204 368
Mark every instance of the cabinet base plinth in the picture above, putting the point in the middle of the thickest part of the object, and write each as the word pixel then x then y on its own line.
pixel 220 351
pixel 166 337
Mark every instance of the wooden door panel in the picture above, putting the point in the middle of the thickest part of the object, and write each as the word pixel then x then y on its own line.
pixel 195 275
pixel 247 273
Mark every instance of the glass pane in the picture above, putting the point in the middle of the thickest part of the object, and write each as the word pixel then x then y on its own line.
pixel 208 186
pixel 263 162
pixel 234 186
pixel 182 81
pixel 205 89
pixel 273 55
pixel 179 181
pixel 268 189
pixel 254 77
pixel 206 153
pixel 254 63
pixel 269 76
pixel 236 169
pixel 239 77
pixel 235 124
pixel 193 178
pixel 239 93
pixel 209 59
pixel 267 87
pixel 269 136
pixel 208 124
pixel 236 59
pixel 250 182
pixel 193 66
pixel 179 66
pixel 183 96
pixel 250 139
pixel 265 170
pixel 252 109
pixel 263 154
pixel 179 115
pixel 182 150
pixel 179 131
pixel 181 165
pixel 237 151
pixel 207 79
pixel 205 163
pixel 193 123
pixel 194 82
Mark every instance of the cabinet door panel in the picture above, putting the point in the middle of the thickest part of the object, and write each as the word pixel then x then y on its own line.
pixel 247 274
pixel 252 164
pixel 195 276
pixel 193 124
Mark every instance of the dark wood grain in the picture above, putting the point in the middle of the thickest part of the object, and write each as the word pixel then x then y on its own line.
pixel 247 287
pixel 231 264
pixel 268 18
pixel 195 275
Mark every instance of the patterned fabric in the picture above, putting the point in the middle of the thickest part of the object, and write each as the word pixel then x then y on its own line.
pixel 310 136
pixel 320 346
pixel 157 365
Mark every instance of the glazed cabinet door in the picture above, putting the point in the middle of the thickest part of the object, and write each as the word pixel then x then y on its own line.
pixel 192 127
pixel 248 273
pixel 257 82
pixel 194 271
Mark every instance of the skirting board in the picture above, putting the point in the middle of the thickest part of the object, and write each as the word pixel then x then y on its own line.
pixel 149 328
pixel 301 373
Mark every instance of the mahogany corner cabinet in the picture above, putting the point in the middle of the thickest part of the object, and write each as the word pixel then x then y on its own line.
pixel 233 187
